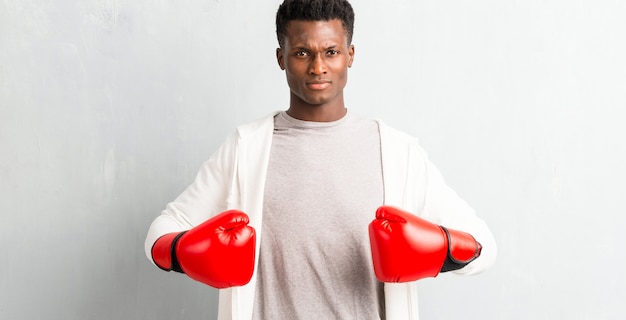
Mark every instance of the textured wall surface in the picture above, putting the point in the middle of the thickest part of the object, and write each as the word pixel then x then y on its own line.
pixel 108 108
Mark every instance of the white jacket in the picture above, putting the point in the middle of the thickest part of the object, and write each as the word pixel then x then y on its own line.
pixel 234 178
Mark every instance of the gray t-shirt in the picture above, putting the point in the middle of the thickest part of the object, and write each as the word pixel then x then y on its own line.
pixel 324 184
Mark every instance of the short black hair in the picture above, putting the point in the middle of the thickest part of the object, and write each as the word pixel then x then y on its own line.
pixel 314 10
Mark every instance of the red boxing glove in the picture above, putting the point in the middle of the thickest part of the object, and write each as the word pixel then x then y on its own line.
pixel 407 248
pixel 219 252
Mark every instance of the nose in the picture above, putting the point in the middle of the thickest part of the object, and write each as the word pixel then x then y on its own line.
pixel 317 66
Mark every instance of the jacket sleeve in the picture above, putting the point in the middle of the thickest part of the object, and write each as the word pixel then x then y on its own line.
pixel 443 206
pixel 204 198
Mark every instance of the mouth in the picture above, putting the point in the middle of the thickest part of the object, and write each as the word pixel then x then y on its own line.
pixel 318 84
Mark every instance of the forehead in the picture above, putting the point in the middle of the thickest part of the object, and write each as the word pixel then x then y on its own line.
pixel 306 32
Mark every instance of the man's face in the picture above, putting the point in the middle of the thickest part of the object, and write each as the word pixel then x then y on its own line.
pixel 316 57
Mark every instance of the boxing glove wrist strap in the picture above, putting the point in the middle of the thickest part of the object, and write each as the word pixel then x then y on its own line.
pixel 462 249
pixel 164 252
pixel 175 264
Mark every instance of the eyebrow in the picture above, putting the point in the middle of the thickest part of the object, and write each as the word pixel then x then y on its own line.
pixel 301 47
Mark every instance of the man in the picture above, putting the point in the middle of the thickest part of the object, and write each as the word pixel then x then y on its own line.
pixel 286 217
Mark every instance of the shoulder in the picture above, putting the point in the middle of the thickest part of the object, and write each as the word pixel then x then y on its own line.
pixel 254 128
pixel 389 134
pixel 399 144
pixel 242 135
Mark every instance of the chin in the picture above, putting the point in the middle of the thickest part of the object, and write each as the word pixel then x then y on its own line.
pixel 317 101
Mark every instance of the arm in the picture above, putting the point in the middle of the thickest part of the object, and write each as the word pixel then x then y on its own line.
pixel 414 184
pixel 447 236
pixel 203 199
pixel 444 207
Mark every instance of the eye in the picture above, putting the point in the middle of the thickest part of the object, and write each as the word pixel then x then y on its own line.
pixel 301 53
pixel 332 52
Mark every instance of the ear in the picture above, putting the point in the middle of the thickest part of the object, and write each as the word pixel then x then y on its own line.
pixel 350 55
pixel 280 58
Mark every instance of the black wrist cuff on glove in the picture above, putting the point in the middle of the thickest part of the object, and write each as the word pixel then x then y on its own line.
pixel 175 264
pixel 450 265
pixel 462 249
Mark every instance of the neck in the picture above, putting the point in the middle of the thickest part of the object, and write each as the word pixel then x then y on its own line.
pixel 317 114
